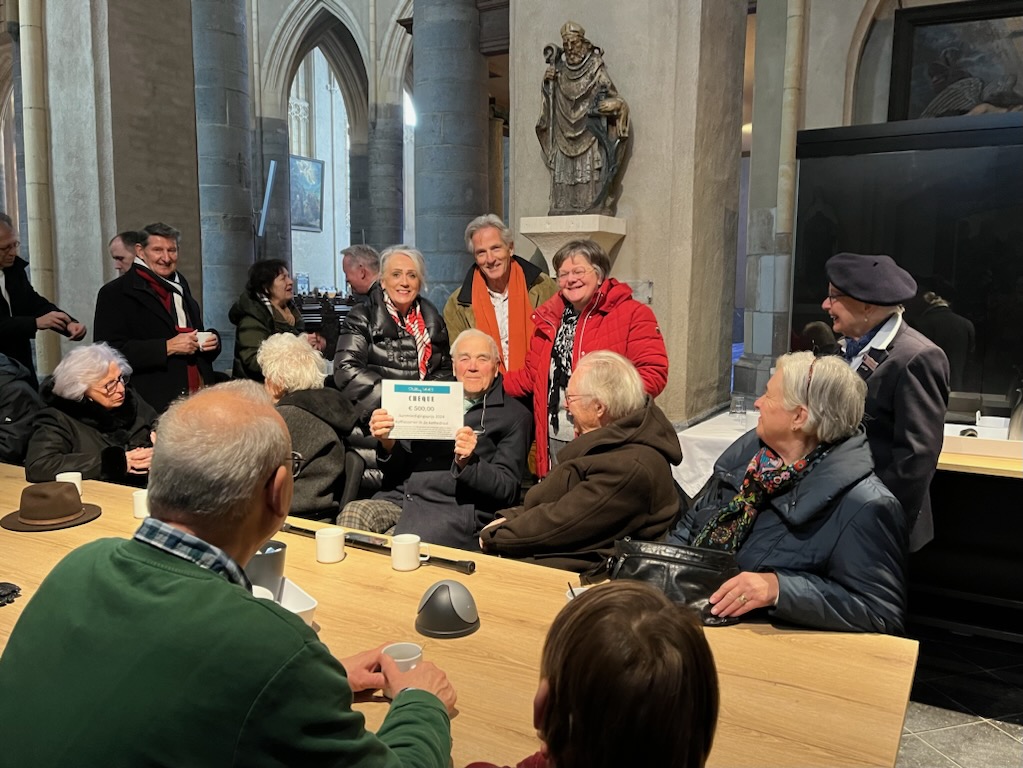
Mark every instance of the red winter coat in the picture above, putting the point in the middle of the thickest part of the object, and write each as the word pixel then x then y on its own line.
pixel 613 320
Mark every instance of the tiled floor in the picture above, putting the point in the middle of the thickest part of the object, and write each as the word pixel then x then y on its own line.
pixel 967 704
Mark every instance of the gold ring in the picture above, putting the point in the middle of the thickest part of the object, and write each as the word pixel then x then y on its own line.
pixel 743 599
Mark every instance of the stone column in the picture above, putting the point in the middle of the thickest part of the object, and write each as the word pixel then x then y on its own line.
pixel 495 166
pixel 450 77
pixel 384 177
pixel 771 198
pixel 222 113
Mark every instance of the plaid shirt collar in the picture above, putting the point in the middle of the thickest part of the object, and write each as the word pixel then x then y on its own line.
pixel 175 541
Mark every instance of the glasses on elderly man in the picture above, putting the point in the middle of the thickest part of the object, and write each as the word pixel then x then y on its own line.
pixel 296 463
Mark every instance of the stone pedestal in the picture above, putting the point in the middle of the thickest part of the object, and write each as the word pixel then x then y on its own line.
pixel 551 232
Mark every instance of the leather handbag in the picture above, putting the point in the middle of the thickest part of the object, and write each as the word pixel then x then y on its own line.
pixel 687 575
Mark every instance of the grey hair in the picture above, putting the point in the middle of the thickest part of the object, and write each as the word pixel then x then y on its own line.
pixel 412 253
pixel 475 333
pixel 483 222
pixel 208 461
pixel 85 367
pixel 834 399
pixel 290 362
pixel 362 255
pixel 613 380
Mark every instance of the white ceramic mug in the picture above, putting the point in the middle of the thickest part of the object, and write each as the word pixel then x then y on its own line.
pixel 406 552
pixel 203 337
pixel 405 655
pixel 262 593
pixel 140 503
pixel 573 592
pixel 330 545
pixel 70 477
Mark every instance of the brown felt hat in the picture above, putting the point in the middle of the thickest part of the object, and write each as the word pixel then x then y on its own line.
pixel 50 507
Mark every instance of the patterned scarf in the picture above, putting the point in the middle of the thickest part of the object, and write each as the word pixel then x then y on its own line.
pixel 561 361
pixel 854 346
pixel 415 325
pixel 766 476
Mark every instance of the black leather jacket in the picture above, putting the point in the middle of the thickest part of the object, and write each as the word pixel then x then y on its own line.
pixel 372 347
pixel 837 541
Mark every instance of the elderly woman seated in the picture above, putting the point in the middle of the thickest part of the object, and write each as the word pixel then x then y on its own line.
pixel 447 490
pixel 613 480
pixel 820 540
pixel 318 419
pixel 92 421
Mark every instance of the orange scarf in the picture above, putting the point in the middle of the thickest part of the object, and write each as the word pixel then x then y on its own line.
pixel 519 310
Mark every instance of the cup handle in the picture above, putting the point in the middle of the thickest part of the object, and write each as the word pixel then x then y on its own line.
pixel 424 557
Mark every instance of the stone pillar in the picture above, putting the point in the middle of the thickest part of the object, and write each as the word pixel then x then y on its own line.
pixel 358 184
pixel 222 113
pixel 451 136
pixel 495 166
pixel 769 240
pixel 384 172
pixel 680 188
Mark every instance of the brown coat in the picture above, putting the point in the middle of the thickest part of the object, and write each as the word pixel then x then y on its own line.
pixel 610 483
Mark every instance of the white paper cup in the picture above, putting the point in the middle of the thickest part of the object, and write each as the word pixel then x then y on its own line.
pixel 330 545
pixel 406 554
pixel 569 597
pixel 70 477
pixel 203 337
pixel 140 503
pixel 405 655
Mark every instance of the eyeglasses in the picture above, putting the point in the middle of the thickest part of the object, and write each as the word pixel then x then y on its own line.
pixel 111 386
pixel 296 463
pixel 9 247
pixel 832 295
pixel 569 399
pixel 575 274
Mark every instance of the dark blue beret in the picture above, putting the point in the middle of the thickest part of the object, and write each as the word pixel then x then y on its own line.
pixel 872 279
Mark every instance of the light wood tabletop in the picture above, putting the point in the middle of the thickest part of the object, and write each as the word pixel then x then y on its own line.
pixel 789 697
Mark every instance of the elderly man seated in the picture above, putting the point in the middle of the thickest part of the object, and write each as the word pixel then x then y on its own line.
pixel 447 495
pixel 318 419
pixel 153 651
pixel 613 480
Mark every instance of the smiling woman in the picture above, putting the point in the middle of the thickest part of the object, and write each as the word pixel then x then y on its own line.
pixel 93 422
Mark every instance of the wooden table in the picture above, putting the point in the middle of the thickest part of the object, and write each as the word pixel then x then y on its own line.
pixel 788 697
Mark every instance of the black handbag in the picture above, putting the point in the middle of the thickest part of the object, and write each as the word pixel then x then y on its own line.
pixel 687 575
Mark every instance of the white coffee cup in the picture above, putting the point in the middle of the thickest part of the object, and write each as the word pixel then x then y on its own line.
pixel 70 477
pixel 262 593
pixel 140 503
pixel 405 655
pixel 406 552
pixel 574 592
pixel 330 545
pixel 203 337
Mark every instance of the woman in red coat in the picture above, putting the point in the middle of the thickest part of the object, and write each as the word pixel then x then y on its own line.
pixel 590 311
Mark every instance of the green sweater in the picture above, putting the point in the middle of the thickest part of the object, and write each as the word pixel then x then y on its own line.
pixel 129 656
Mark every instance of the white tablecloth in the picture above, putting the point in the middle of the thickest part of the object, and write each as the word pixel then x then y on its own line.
pixel 702 444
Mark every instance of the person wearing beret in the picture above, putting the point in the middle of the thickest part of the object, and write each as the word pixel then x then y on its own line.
pixel 907 377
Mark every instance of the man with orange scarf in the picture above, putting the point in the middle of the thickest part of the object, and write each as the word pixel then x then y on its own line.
pixel 499 293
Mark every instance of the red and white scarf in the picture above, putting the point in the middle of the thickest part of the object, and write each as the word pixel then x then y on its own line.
pixel 416 325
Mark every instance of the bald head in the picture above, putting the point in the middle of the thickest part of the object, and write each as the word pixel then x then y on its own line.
pixel 214 451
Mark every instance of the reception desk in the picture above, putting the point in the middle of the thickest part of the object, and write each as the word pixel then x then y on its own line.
pixel 789 697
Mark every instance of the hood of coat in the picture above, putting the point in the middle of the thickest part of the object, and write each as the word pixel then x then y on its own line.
pixel 92 414
pixel 647 426
pixel 842 467
pixel 11 370
pixel 326 404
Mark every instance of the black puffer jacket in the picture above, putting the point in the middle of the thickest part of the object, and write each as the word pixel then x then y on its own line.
pixel 837 540
pixel 372 347
pixel 81 436
pixel 19 402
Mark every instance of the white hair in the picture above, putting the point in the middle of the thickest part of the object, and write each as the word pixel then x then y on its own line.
pixel 85 367
pixel 412 253
pixel 613 380
pixel 475 333
pixel 487 221
pixel 289 362
pixel 834 395
pixel 208 461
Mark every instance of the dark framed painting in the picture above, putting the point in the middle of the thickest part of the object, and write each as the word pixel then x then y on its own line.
pixel 957 59
pixel 306 193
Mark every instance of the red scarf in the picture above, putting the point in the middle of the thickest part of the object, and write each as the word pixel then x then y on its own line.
pixel 415 325
pixel 163 294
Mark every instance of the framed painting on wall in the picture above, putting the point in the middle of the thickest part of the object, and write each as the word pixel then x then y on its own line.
pixel 957 59
pixel 306 193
